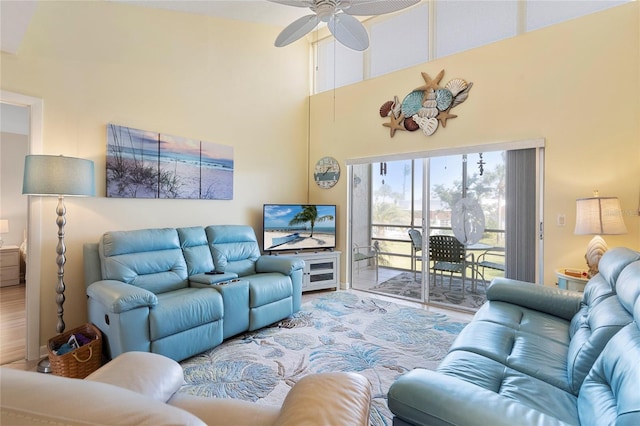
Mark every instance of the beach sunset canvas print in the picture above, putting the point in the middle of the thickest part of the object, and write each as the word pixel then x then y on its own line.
pixel 143 164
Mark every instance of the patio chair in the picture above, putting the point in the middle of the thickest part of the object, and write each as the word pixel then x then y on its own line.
pixel 416 246
pixel 366 253
pixel 448 255
pixel 491 259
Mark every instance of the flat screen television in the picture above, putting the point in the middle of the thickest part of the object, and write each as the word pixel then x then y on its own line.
pixel 294 227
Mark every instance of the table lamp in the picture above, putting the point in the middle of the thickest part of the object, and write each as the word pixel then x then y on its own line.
pixel 598 216
pixel 4 229
pixel 58 176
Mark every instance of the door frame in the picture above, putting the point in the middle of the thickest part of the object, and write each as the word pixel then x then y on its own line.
pixel 34 231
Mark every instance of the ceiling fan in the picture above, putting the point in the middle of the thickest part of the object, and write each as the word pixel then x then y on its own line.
pixel 338 15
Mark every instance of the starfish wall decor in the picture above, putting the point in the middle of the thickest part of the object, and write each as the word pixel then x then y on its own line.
pixel 426 107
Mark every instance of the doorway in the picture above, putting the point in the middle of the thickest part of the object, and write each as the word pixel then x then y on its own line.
pixel 14 145
pixel 386 204
pixel 32 257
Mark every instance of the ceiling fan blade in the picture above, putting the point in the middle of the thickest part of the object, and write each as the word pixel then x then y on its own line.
pixel 297 29
pixel 375 7
pixel 349 31
pixel 297 3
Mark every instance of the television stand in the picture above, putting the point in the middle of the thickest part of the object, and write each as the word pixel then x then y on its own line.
pixel 321 269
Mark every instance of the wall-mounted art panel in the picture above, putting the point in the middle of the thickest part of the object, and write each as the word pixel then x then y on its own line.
pixel 426 107
pixel 143 164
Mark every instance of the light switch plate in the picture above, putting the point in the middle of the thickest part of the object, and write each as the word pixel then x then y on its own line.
pixel 561 219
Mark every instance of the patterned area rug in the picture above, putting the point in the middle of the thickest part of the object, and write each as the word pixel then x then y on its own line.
pixel 336 331
pixel 405 285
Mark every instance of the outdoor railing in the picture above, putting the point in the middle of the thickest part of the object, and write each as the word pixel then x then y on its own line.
pixel 395 245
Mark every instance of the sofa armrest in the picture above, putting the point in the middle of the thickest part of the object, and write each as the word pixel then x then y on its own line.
pixel 338 399
pixel 118 297
pixel 30 398
pixel 286 265
pixel 150 374
pixel 226 411
pixel 327 398
pixel 428 397
pixel 561 303
pixel 206 280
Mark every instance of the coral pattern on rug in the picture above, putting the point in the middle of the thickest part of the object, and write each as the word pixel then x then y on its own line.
pixel 337 331
pixel 406 286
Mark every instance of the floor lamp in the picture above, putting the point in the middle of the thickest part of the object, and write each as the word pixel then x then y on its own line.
pixel 58 176
pixel 598 216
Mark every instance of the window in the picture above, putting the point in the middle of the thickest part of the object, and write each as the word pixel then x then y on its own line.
pixel 337 66
pixel 462 25
pixel 400 41
pixel 544 13
pixel 396 206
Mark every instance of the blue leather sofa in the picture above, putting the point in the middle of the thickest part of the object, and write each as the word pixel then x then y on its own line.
pixel 153 290
pixel 536 355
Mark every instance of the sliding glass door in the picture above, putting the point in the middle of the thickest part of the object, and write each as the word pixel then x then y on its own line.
pixel 383 258
pixel 456 183
pixel 404 211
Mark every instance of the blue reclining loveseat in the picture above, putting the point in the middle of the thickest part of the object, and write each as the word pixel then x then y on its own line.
pixel 180 291
pixel 536 355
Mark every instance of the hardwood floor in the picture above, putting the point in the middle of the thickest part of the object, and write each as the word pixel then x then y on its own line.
pixel 13 332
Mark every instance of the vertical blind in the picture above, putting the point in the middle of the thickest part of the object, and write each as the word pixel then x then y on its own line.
pixel 520 224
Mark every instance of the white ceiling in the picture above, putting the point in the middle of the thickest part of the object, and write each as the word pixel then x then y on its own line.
pixel 14 21
pixel 260 11
pixel 15 15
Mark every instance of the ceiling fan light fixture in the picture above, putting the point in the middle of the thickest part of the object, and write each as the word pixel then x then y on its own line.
pixel 325 12
pixel 344 4
pixel 338 15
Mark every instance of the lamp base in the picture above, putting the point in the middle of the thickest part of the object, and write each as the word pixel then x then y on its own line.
pixel 44 366
pixel 595 249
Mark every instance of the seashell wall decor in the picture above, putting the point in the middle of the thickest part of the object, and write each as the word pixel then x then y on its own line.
pixel 427 107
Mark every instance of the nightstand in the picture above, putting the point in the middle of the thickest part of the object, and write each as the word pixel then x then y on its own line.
pixel 9 266
pixel 572 279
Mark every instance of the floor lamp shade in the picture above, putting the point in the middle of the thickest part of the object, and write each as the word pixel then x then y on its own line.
pixel 56 175
pixel 598 216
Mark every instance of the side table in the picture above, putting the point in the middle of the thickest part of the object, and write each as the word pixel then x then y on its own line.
pixel 572 279
pixel 9 266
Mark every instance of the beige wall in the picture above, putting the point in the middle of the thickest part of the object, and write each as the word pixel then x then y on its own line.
pixel 95 63
pixel 576 84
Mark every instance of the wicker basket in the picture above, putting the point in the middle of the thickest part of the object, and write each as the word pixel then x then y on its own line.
pixel 80 362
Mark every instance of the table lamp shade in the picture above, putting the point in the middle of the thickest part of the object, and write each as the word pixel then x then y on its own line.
pixel 4 226
pixel 57 175
pixel 599 216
